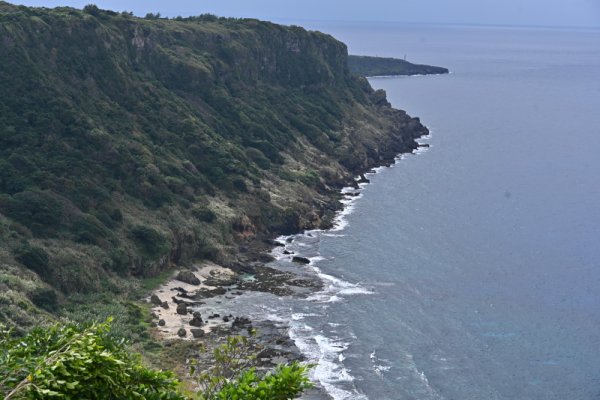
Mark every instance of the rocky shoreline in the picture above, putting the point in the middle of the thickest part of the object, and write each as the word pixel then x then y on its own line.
pixel 180 310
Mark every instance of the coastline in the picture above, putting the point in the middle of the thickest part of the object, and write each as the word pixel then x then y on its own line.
pixel 220 285
pixel 407 75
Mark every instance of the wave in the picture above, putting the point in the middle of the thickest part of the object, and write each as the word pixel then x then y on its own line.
pixel 329 372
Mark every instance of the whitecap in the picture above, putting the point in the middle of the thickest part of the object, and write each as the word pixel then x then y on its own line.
pixel 355 290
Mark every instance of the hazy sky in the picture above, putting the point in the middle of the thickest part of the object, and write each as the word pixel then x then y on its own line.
pixel 502 12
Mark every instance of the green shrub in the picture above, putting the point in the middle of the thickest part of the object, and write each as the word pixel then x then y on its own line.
pixel 44 298
pixel 73 362
pixel 120 260
pixel 258 158
pixel 38 210
pixel 34 258
pixel 151 242
pixel 88 229
pixel 239 184
pixel 231 376
pixel 285 382
pixel 203 214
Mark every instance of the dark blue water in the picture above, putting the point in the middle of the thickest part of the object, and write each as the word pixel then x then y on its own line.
pixel 472 270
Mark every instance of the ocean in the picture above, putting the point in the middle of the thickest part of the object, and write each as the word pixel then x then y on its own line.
pixel 469 270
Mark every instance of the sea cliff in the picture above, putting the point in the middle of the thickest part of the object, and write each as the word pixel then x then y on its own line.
pixel 130 147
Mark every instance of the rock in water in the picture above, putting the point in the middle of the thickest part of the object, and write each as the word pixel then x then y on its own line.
pixel 188 277
pixel 301 260
pixel 197 333
pixel 161 322
pixel 363 179
pixel 182 308
pixel 181 332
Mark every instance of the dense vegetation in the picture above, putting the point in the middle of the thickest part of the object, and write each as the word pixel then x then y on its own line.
pixel 128 145
pixel 75 362
pixel 380 66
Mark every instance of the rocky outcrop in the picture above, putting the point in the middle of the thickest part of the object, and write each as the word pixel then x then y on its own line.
pixel 300 260
pixel 188 277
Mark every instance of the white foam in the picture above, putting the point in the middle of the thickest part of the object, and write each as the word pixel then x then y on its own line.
pixel 301 316
pixel 379 365
pixel 377 170
pixel 333 234
pixel 348 189
pixel 355 290
pixel 324 298
pixel 328 354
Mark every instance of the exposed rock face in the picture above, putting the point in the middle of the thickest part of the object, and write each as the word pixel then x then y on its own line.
pixel 188 277
pixel 379 97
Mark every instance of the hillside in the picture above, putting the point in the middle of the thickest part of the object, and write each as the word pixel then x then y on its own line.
pixel 381 66
pixel 130 145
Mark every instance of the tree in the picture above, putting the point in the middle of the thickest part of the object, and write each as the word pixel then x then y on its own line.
pixel 92 9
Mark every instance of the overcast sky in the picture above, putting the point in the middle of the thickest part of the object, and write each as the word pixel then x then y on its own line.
pixel 578 13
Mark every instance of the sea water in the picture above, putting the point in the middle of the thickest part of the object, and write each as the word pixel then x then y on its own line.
pixel 470 270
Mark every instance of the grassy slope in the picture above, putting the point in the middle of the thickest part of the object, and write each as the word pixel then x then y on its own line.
pixel 381 66
pixel 129 145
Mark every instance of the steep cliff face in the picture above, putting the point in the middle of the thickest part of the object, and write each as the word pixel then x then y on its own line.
pixel 128 145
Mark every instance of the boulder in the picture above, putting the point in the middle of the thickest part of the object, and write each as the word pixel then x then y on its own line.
pixel 181 332
pixel 300 260
pixel 197 319
pixel 161 322
pixel 182 309
pixel 188 277
pixel 154 299
pixel 197 333
pixel 164 305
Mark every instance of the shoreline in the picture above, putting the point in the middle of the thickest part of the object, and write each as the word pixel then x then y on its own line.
pixel 220 284
pixel 407 75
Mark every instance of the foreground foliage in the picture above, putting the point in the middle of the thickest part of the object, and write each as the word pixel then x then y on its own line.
pixel 70 362
pixel 232 377
pixel 74 362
